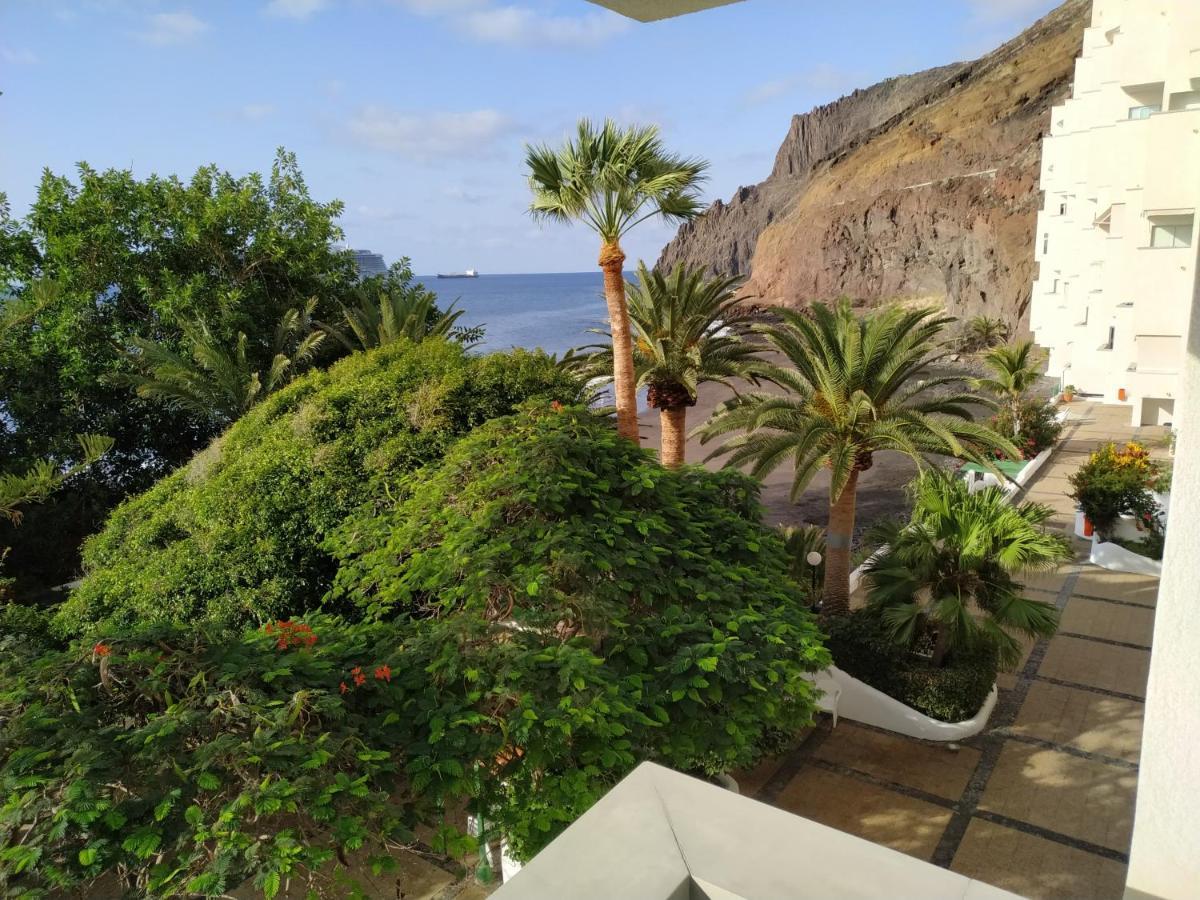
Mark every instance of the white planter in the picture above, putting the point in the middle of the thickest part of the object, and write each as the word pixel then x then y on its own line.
pixel 847 697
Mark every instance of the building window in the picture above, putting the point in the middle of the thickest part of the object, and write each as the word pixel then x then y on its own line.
pixel 1054 286
pixel 1046 242
pixel 1177 235
pixel 1112 334
pixel 1062 209
pixel 1144 112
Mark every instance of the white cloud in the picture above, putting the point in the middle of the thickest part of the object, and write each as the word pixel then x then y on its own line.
pixel 823 78
pixel 295 9
pixel 441 7
pixel 521 25
pixel 20 57
pixel 428 136
pixel 255 112
pixel 172 28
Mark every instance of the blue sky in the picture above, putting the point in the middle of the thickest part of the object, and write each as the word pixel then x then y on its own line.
pixel 414 112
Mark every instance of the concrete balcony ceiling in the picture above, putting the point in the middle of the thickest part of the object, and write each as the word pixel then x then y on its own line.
pixel 650 10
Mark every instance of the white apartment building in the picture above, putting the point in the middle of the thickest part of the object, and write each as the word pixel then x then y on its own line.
pixel 1121 183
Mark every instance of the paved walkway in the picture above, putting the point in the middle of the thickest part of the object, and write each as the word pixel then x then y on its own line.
pixel 1041 803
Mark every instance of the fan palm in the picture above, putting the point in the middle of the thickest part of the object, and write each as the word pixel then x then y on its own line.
pixel 388 308
pixel 1015 369
pixel 852 390
pixel 611 179
pixel 684 334
pixel 219 382
pixel 949 575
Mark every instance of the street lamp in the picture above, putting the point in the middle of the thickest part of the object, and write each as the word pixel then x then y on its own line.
pixel 813 559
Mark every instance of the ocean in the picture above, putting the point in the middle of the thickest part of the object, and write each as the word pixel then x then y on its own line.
pixel 552 311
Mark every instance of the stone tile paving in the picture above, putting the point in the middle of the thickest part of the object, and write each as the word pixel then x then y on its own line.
pixel 1041 803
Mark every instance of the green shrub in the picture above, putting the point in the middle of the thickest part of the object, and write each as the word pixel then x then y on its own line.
pixel 235 536
pixel 861 645
pixel 1039 431
pixel 1115 482
pixel 546 552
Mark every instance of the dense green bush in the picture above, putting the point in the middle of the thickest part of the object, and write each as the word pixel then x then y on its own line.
pixel 235 536
pixel 1115 482
pixel 546 550
pixel 545 608
pixel 1039 430
pixel 862 645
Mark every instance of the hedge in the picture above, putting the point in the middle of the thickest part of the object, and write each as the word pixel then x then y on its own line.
pixel 861 646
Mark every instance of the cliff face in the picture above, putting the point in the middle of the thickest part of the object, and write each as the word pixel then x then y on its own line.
pixel 920 186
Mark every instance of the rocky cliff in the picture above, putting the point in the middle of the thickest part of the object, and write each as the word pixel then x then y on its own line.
pixel 923 185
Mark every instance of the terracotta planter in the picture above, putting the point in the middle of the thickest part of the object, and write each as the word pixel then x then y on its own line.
pixel 1122 395
pixel 1088 528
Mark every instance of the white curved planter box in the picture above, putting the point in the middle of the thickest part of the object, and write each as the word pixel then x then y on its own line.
pixel 847 697
pixel 1118 559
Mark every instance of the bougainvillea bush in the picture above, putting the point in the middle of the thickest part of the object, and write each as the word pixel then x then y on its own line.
pixel 527 619
pixel 235 537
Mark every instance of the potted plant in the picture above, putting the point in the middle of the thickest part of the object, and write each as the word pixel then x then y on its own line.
pixel 1068 393
pixel 1115 482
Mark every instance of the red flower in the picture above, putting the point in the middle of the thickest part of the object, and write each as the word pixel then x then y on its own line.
pixel 101 650
pixel 359 678
pixel 383 673
pixel 291 634
pixel 342 687
pixel 556 406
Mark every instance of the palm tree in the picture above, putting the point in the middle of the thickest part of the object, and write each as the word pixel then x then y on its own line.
pixel 390 307
pixel 949 576
pixel 985 332
pixel 611 179
pixel 219 382
pixel 1015 369
pixel 852 390
pixel 45 476
pixel 683 335
pixel 800 541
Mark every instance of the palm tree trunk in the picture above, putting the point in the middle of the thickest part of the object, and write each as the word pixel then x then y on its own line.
pixel 836 599
pixel 941 646
pixel 612 262
pixel 673 420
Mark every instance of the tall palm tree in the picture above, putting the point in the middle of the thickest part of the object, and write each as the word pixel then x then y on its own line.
pixel 950 574
pixel 853 389
pixel 219 382
pixel 611 179
pixel 1015 369
pixel 388 308
pixel 684 333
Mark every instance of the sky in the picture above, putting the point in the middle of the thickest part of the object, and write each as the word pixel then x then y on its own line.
pixel 415 113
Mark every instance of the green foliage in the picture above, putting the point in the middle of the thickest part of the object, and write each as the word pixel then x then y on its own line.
pixel 387 308
pixel 236 535
pixel 1032 422
pixel 611 178
pixel 949 578
pixel 851 391
pixel 128 259
pixel 984 332
pixel 684 333
pixel 862 645
pixel 46 476
pixel 1115 482
pixel 550 553
pixel 217 384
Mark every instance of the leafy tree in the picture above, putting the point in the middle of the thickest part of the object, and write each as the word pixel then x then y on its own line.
pixel 237 536
pixel 219 384
pixel 683 335
pixel 390 307
pixel 949 577
pixel 611 179
pixel 141 258
pixel 853 389
pixel 46 476
pixel 1015 370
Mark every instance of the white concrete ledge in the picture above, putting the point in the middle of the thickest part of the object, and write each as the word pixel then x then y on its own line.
pixel 1117 558
pixel 660 835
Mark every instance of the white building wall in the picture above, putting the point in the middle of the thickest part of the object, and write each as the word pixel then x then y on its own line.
pixel 1122 155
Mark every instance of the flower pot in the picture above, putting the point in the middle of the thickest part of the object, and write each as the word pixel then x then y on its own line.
pixel 1067 397
pixel 1122 395
pixel 1088 528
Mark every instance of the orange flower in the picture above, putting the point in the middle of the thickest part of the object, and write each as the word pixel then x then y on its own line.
pixel 101 650
pixel 342 687
pixel 383 673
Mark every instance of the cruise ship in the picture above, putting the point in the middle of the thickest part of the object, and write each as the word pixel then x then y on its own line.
pixel 470 273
